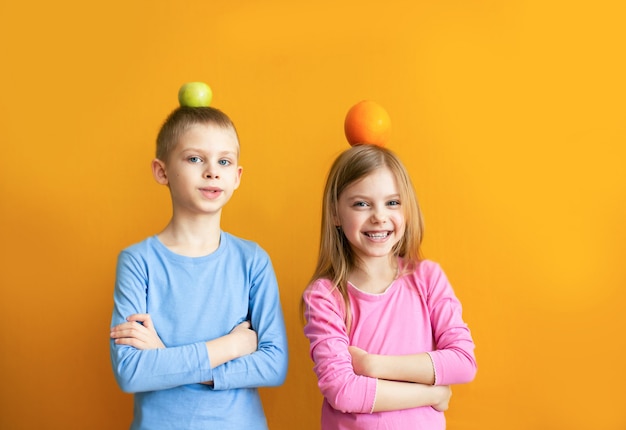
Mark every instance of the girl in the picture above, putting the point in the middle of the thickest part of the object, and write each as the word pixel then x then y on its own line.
pixel 385 328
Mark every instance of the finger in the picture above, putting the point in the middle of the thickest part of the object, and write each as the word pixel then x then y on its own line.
pixel 122 326
pixel 245 324
pixel 129 326
pixel 355 350
pixel 116 334
pixel 130 341
pixel 132 329
pixel 138 318
pixel 119 330
pixel 147 323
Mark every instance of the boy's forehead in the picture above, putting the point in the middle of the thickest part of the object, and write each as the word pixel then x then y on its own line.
pixel 210 128
pixel 210 134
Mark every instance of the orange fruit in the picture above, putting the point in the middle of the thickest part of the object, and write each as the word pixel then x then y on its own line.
pixel 367 122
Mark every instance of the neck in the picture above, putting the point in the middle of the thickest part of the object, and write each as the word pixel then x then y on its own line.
pixel 192 237
pixel 375 275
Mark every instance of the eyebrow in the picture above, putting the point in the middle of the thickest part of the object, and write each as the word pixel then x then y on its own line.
pixel 365 197
pixel 201 151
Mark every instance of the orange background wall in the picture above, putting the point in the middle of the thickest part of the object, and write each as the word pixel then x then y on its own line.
pixel 509 114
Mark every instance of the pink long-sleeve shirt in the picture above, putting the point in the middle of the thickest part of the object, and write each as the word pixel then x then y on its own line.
pixel 418 313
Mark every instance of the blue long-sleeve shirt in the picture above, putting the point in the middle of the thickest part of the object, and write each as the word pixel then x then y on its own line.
pixel 192 300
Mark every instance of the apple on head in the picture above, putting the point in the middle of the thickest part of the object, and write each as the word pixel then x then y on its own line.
pixel 195 94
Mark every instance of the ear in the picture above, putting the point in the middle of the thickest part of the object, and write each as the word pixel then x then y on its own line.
pixel 238 179
pixel 159 172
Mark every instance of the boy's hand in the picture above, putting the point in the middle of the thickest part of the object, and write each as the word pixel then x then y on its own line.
pixel 241 340
pixel 138 332
pixel 245 338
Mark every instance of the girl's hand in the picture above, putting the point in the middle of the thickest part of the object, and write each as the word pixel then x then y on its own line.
pixel 364 364
pixel 406 368
pixel 138 332
pixel 361 361
pixel 445 392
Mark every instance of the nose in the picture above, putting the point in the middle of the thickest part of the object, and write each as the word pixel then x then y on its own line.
pixel 211 173
pixel 379 216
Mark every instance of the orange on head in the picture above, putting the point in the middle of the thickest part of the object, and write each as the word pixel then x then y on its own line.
pixel 367 122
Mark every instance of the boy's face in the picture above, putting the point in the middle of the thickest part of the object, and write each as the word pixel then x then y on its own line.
pixel 202 170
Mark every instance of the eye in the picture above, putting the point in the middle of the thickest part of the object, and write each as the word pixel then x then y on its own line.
pixel 360 204
pixel 394 203
pixel 194 159
pixel 224 162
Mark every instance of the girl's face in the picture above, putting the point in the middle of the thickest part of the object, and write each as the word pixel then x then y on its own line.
pixel 369 212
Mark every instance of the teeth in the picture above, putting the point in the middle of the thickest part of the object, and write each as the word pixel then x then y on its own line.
pixel 377 235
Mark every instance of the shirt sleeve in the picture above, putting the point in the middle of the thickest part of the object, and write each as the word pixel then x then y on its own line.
pixel 326 330
pixel 453 358
pixel 155 369
pixel 267 366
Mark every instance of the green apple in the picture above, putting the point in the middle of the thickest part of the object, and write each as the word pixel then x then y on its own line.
pixel 195 94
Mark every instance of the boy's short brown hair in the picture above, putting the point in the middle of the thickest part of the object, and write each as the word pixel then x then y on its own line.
pixel 181 119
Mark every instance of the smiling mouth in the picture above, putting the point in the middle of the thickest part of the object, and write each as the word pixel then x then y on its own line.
pixel 378 235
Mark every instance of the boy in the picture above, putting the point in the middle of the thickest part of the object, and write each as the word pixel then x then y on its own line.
pixel 197 321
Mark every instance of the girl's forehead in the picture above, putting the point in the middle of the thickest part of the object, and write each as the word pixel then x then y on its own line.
pixel 381 174
pixel 379 180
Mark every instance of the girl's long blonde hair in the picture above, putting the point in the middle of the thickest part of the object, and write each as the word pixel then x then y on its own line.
pixel 336 260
